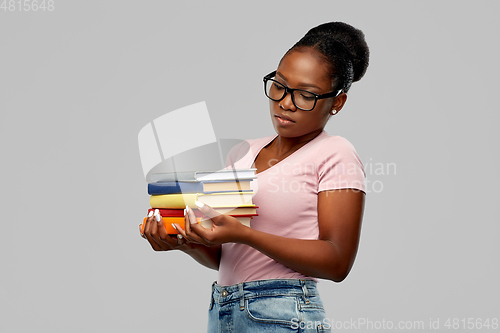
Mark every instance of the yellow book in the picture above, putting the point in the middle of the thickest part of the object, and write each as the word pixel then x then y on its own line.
pixel 222 199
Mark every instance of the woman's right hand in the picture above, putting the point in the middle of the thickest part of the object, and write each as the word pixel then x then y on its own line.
pixel 155 233
pixel 157 236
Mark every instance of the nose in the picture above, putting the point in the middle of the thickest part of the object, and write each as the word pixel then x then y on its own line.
pixel 287 102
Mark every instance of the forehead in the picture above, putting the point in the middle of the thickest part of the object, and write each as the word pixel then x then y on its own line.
pixel 305 66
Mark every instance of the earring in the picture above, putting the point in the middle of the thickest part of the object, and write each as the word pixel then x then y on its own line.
pixel 334 112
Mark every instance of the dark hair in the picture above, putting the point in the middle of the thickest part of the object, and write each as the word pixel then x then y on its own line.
pixel 343 47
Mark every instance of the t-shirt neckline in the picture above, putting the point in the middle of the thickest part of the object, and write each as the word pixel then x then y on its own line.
pixel 269 141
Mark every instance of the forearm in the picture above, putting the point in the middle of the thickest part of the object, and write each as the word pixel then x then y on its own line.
pixel 317 258
pixel 207 256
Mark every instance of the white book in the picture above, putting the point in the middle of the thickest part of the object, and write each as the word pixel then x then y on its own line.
pixel 187 176
pixel 196 176
pixel 226 174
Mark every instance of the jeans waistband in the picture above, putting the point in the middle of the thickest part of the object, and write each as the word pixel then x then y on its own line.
pixel 273 287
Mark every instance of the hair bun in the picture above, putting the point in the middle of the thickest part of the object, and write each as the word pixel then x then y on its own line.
pixel 352 39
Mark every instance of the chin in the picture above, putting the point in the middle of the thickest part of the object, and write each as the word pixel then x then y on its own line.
pixel 287 132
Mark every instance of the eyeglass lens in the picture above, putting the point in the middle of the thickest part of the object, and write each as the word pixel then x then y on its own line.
pixel 301 98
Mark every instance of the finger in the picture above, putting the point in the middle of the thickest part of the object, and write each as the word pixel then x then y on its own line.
pixel 197 228
pixel 141 229
pixel 164 240
pixel 180 240
pixel 190 226
pixel 207 210
pixel 153 230
pixel 181 234
pixel 146 224
pixel 190 236
pixel 187 227
pixel 201 233
pixel 150 233
pixel 179 230
pixel 187 223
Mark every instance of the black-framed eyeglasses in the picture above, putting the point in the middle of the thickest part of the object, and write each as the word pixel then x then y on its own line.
pixel 302 99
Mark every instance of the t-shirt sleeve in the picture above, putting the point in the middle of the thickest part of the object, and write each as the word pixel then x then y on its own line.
pixel 339 166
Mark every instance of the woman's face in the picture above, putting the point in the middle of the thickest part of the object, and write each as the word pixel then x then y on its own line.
pixel 302 70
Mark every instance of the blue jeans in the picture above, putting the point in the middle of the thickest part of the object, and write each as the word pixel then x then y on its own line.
pixel 285 305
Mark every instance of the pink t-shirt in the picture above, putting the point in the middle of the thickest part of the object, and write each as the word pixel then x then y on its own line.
pixel 287 197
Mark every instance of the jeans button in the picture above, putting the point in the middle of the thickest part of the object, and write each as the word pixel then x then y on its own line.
pixel 224 293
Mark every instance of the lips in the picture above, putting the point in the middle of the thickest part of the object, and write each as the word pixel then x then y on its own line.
pixel 284 118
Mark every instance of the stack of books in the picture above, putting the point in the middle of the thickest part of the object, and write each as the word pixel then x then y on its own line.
pixel 226 191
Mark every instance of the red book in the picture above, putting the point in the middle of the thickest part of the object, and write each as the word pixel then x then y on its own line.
pixel 233 211
pixel 175 212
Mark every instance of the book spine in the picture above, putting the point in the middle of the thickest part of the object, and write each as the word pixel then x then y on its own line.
pixel 174 212
pixel 179 201
pixel 174 188
pixel 228 192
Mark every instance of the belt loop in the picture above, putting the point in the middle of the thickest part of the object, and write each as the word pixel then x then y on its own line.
pixel 304 289
pixel 242 298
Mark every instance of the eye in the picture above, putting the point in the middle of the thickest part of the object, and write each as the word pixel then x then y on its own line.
pixel 278 86
pixel 307 97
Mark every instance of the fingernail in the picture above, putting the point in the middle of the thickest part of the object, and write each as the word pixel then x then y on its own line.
pixel 179 236
pixel 199 204
pixel 184 211
pixel 157 212
pixel 158 217
pixel 150 214
pixel 173 225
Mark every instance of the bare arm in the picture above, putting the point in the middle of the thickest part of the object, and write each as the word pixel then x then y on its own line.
pixel 331 256
pixel 208 256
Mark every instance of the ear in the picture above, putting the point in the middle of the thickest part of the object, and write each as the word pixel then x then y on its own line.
pixel 338 103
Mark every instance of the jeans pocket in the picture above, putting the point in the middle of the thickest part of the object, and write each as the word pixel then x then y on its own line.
pixel 279 310
pixel 314 316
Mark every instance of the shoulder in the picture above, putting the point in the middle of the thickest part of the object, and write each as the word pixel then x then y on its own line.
pixel 334 145
pixel 339 165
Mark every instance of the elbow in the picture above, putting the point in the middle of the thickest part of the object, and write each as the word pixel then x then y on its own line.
pixel 338 273
pixel 339 267
pixel 339 277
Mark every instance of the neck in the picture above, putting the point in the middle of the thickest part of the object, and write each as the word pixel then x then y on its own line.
pixel 283 145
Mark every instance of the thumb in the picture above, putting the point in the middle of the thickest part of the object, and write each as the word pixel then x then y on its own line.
pixel 207 210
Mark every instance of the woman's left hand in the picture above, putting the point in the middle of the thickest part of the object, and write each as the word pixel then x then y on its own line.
pixel 225 228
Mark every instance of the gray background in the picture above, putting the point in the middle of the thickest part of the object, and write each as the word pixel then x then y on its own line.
pixel 77 84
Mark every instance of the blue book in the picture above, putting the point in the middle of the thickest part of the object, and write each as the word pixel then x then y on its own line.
pixel 158 188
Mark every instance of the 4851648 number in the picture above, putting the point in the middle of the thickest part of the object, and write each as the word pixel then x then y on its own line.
pixel 27 5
